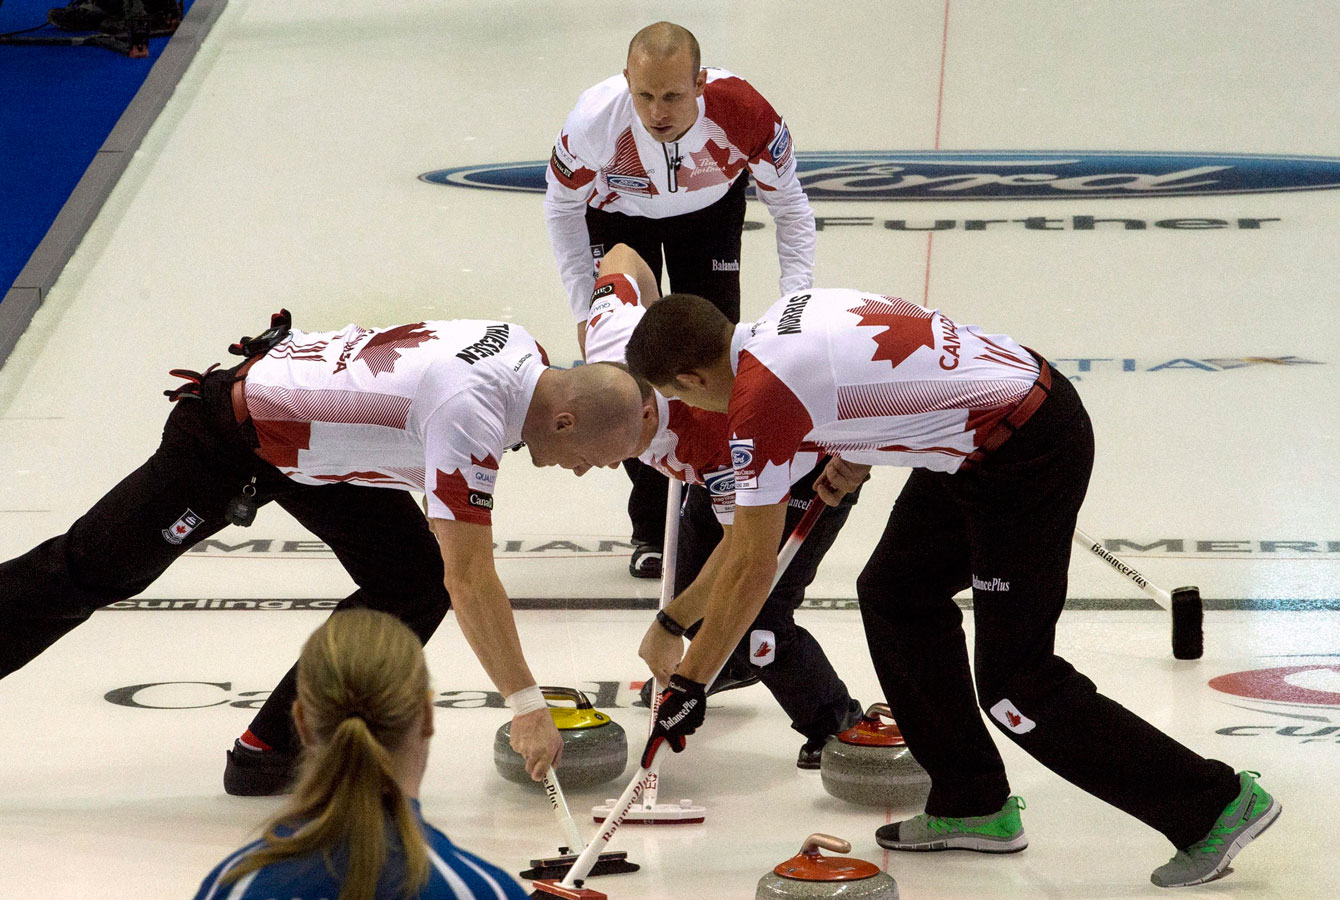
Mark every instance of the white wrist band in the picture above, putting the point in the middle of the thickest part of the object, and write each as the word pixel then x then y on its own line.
pixel 527 700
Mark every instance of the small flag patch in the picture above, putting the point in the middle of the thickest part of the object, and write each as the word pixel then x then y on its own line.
pixel 762 647
pixel 1007 714
pixel 178 530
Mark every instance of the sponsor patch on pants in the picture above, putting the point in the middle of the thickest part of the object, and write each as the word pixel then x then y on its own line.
pixel 762 647
pixel 1007 714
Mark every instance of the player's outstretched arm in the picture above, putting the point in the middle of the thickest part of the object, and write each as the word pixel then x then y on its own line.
pixel 486 620
pixel 739 589
pixel 660 649
pixel 620 260
pixel 623 259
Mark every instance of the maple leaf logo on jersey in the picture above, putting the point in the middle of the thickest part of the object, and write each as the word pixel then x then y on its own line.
pixel 468 491
pixel 383 351
pixel 763 650
pixel 488 462
pixel 907 327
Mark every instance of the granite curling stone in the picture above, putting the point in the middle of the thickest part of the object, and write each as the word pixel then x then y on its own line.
pixel 869 764
pixel 810 874
pixel 595 748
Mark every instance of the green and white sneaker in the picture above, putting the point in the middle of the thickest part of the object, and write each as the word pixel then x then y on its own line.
pixel 1241 822
pixel 1000 832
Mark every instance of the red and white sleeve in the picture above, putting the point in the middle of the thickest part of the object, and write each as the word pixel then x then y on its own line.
pixel 616 308
pixel 569 185
pixel 768 424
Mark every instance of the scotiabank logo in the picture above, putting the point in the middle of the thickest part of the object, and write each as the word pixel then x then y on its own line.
pixel 997 175
pixel 1300 702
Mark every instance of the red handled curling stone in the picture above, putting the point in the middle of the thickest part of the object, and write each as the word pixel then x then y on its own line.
pixel 810 874
pixel 869 764
pixel 595 748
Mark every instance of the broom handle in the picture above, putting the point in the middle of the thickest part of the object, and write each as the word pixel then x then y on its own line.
pixel 1162 597
pixel 788 553
pixel 587 860
pixel 674 494
pixel 559 804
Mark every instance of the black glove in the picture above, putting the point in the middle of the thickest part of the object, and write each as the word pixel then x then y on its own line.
pixel 683 707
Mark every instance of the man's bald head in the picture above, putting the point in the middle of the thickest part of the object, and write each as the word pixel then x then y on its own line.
pixel 603 394
pixel 587 416
pixel 661 41
pixel 665 78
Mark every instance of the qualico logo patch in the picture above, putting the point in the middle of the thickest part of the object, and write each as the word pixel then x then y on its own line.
pixel 998 175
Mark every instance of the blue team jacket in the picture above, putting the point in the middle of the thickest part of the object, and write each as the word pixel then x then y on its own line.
pixel 454 874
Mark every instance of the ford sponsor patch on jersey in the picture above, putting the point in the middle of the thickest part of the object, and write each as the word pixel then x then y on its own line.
pixel 720 483
pixel 780 148
pixel 721 490
pixel 741 452
pixel 742 461
pixel 629 183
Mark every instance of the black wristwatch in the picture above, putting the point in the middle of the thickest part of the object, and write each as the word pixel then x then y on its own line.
pixel 669 624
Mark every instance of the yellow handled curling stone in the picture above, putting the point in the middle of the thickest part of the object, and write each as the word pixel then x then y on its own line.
pixel 595 748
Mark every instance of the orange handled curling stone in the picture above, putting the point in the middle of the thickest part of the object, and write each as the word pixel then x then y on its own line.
pixel 809 875
pixel 869 764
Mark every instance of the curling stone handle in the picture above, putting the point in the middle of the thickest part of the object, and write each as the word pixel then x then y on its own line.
pixel 566 693
pixel 826 841
pixel 877 710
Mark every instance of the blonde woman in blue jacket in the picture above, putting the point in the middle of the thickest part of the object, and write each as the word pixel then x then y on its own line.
pixel 352 829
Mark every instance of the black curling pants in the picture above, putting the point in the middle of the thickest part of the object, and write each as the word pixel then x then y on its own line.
pixel 1004 528
pixel 796 672
pixel 117 549
pixel 702 255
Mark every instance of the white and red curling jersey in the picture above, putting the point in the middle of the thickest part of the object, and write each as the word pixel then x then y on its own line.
pixel 425 407
pixel 605 158
pixel 690 444
pixel 876 380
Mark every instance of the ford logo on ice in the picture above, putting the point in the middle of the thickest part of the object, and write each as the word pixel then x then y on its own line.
pixel 998 175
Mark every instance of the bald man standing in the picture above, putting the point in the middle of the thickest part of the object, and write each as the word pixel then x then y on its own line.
pixel 655 158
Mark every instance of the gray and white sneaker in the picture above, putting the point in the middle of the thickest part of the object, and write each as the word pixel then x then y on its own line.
pixel 1241 822
pixel 1000 832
